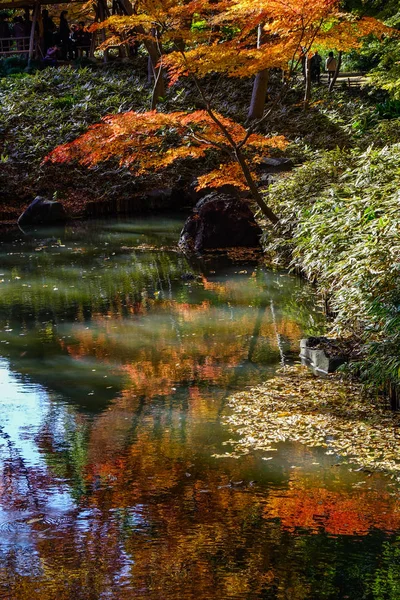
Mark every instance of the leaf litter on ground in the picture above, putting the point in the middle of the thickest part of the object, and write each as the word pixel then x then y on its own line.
pixel 333 413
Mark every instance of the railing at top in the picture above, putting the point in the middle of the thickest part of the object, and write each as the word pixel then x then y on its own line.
pixel 12 45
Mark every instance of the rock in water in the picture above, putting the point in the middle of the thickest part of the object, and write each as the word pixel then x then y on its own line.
pixel 220 221
pixel 321 354
pixel 43 212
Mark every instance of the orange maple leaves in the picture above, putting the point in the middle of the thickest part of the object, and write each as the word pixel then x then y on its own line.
pixel 152 141
pixel 226 41
pixel 204 36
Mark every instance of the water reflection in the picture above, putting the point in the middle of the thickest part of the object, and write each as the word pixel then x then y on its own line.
pixel 118 354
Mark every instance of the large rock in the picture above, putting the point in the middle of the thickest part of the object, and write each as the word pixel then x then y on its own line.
pixel 322 354
pixel 220 221
pixel 43 212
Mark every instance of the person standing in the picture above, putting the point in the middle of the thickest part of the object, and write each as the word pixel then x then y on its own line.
pixel 64 32
pixel 316 62
pixel 330 66
pixel 49 29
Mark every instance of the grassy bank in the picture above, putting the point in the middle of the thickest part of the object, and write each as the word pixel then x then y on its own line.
pixel 341 228
pixel 51 107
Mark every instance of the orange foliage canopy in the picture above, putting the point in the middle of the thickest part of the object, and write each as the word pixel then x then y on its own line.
pixel 150 141
pixel 287 27
pixel 222 36
pixel 208 36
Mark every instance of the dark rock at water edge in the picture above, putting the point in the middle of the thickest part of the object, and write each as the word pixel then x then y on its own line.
pixel 42 212
pixel 319 354
pixel 220 221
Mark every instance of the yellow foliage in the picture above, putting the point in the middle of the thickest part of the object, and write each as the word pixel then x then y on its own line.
pixel 288 27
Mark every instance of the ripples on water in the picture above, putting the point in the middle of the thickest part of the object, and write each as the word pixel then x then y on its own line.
pixel 117 355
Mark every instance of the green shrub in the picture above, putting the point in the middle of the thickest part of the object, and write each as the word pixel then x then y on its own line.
pixel 389 109
pixel 341 225
pixel 12 65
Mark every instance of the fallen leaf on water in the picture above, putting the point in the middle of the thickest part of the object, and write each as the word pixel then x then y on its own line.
pixel 295 406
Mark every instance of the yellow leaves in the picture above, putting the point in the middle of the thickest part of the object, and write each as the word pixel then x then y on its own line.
pixel 288 26
pixel 168 16
pixel 295 406
pixel 261 142
pixel 345 32
pixel 228 58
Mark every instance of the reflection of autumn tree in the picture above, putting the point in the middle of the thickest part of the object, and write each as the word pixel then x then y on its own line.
pixel 309 504
pixel 181 342
pixel 334 512
pixel 153 523
pixel 178 331
pixel 127 501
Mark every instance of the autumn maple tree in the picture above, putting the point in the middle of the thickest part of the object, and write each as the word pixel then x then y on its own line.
pixel 239 38
pixel 152 141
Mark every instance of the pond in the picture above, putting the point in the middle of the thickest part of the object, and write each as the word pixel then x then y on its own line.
pixel 117 358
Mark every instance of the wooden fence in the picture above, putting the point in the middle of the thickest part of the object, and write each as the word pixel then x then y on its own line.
pixel 12 45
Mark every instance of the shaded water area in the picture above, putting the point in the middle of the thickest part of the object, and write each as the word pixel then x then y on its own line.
pixel 117 356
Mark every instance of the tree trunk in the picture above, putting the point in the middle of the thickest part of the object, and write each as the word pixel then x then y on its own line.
pixel 266 211
pixel 102 13
pixel 240 158
pixel 127 7
pixel 259 92
pixel 36 12
pixel 335 76
pixel 260 85
pixel 158 88
pixel 307 93
pixel 155 72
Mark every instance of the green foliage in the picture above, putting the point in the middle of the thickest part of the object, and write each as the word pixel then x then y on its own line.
pixel 341 226
pixel 12 65
pixel 389 109
pixel 55 105
pixel 379 55
pixel 385 582
pixel 389 79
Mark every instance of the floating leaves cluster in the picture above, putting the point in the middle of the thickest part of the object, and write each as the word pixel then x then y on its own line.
pixel 294 406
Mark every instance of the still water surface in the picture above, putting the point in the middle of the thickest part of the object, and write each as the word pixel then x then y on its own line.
pixel 117 356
